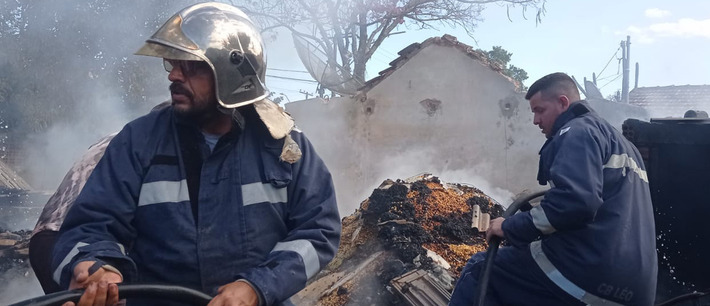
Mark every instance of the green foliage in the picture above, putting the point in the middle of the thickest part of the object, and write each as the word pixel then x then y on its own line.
pixel 499 55
pixel 502 57
pixel 516 73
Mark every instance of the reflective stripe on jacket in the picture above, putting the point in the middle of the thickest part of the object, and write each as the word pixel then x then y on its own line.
pixel 272 223
pixel 596 222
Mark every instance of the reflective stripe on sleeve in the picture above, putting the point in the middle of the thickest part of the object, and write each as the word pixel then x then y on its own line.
pixel 74 251
pixel 263 192
pixel 163 192
pixel 540 220
pixel 623 161
pixel 305 249
pixel 561 281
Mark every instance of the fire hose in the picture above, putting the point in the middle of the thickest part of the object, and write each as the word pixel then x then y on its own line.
pixel 521 203
pixel 126 291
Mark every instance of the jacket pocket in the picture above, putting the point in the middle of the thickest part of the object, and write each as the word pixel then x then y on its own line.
pixel 276 172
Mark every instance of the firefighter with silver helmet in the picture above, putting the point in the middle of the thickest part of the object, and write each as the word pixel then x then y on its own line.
pixel 217 192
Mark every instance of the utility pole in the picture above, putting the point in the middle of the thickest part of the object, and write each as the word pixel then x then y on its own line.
pixel 625 56
pixel 305 93
pixel 636 76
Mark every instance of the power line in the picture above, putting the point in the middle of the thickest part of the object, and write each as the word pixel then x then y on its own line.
pixel 608 77
pixel 618 73
pixel 388 52
pixel 382 58
pixel 381 61
pixel 287 70
pixel 616 78
pixel 382 55
pixel 609 62
pixel 291 79
pixel 287 84
pixel 283 89
pixel 385 53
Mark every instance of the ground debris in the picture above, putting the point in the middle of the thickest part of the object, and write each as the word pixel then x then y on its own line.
pixel 415 224
pixel 14 255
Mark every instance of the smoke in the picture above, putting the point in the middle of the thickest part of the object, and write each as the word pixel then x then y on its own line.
pixel 500 195
pixel 88 85
pixel 51 154
pixel 22 285
pixel 68 76
pixel 427 160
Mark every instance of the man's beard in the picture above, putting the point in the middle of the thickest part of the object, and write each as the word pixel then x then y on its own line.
pixel 198 110
pixel 177 88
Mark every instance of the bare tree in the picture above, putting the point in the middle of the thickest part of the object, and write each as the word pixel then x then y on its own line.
pixel 350 31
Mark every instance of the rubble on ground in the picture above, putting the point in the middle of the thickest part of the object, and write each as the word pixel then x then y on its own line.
pixel 415 229
pixel 14 254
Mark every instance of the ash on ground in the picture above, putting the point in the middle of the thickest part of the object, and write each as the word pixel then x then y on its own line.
pixel 19 210
pixel 14 252
pixel 416 224
pixel 19 282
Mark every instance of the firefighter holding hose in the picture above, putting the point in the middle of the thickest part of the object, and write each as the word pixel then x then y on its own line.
pixel 217 192
pixel 591 241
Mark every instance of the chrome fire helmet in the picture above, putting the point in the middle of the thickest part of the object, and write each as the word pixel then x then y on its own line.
pixel 225 38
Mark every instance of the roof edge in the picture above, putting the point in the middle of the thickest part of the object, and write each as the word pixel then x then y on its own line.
pixel 446 41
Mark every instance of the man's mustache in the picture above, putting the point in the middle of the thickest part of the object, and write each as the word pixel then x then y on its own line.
pixel 179 89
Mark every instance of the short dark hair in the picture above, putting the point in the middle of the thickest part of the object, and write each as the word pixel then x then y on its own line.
pixel 553 83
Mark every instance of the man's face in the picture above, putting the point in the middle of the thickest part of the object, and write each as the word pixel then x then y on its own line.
pixel 192 89
pixel 546 111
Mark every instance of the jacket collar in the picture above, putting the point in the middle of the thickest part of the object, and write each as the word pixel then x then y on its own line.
pixel 238 122
pixel 575 109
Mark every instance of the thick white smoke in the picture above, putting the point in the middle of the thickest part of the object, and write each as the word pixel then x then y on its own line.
pixel 84 62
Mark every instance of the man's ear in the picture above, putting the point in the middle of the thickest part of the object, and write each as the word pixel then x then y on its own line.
pixel 564 101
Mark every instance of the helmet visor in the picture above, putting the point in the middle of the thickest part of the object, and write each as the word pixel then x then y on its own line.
pixel 160 50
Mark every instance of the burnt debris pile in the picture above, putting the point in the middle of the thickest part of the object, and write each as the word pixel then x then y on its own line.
pixel 14 254
pixel 409 233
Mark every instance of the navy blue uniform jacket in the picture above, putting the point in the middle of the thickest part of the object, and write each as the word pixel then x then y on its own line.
pixel 269 222
pixel 596 222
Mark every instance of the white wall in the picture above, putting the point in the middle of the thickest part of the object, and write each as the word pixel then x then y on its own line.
pixel 482 134
pixel 471 139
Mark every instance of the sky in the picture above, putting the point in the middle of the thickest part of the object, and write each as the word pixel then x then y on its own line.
pixel 669 39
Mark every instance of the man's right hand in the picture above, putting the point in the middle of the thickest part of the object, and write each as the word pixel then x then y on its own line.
pixel 100 286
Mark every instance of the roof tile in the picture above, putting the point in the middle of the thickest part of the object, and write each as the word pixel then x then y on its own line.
pixel 684 96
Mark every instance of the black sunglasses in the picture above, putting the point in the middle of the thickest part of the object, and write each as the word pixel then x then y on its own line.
pixel 187 67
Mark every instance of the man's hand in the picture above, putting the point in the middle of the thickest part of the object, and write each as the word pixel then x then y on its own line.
pixel 495 229
pixel 235 293
pixel 100 286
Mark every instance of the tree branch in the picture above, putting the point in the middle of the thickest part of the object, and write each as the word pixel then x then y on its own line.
pixel 338 35
pixel 330 49
pixel 277 23
pixel 514 2
pixel 351 31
